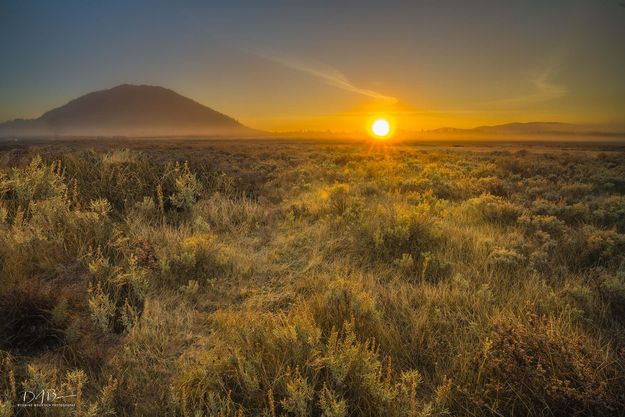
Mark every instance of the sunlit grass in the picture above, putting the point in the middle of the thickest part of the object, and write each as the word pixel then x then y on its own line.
pixel 335 280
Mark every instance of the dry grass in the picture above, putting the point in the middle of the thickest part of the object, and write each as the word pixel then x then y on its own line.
pixel 313 279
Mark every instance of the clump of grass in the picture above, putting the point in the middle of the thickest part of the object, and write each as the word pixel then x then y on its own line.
pixel 116 293
pixel 552 366
pixel 305 370
pixel 612 290
pixel 507 259
pixel 199 257
pixel 386 233
pixel 38 181
pixel 595 246
pixel 186 188
pixel 227 214
pixel 496 209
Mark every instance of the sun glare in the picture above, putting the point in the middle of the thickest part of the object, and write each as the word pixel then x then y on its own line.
pixel 381 128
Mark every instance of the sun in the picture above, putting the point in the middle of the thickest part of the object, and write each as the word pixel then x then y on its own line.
pixel 381 128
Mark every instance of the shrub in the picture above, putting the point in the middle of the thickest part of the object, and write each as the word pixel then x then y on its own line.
pixel 525 364
pixel 427 268
pixel 506 259
pixel 8 382
pixel 612 290
pixel 534 223
pixel 74 231
pixel 298 369
pixel 198 257
pixel 387 233
pixel 123 177
pixel 594 247
pixel 148 353
pixel 35 182
pixel 572 214
pixel 495 209
pixel 147 211
pixel 117 292
pixel 186 189
pixel 610 212
pixel 420 185
pixel 443 182
pixel 101 307
pixel 343 203
pixel 343 300
pixel 493 186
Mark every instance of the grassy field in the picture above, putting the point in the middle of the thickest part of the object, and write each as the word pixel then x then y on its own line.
pixel 313 278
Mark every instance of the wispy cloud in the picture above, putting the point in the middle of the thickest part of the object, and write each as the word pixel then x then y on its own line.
pixel 327 74
pixel 544 89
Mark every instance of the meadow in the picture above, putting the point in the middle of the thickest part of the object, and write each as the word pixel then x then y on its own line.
pixel 313 278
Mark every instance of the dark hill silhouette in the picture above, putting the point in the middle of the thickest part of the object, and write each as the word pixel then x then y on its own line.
pixel 514 128
pixel 129 110
pixel 531 130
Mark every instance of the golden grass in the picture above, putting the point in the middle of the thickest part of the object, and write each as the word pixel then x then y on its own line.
pixel 304 279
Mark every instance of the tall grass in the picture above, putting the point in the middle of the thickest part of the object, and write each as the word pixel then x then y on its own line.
pixel 311 280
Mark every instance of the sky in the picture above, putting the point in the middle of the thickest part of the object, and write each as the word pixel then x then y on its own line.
pixel 326 65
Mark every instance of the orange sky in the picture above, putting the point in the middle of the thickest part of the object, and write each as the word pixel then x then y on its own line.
pixel 327 65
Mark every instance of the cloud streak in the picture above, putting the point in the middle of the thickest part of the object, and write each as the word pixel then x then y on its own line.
pixel 328 75
pixel 544 89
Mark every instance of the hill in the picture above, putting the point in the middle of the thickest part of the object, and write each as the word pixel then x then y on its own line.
pixel 529 130
pixel 129 110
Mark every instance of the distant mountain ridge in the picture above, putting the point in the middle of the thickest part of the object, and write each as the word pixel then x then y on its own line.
pixel 129 110
pixel 530 127
pixel 527 129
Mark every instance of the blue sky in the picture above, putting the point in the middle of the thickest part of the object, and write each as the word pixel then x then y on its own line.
pixel 324 64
